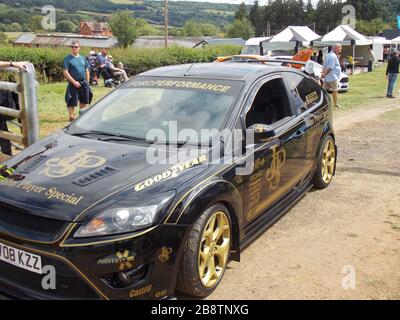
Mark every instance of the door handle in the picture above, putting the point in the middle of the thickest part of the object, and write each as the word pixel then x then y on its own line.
pixel 298 133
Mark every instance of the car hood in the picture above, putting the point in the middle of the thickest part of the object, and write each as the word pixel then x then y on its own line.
pixel 61 176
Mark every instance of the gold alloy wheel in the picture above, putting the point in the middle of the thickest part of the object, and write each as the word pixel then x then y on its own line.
pixel 214 249
pixel 328 161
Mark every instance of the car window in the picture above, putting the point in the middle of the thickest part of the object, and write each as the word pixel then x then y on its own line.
pixel 305 92
pixel 270 104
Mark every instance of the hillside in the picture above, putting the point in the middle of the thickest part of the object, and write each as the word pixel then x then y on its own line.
pixel 152 11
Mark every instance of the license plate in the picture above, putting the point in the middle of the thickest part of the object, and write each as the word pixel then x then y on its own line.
pixel 21 259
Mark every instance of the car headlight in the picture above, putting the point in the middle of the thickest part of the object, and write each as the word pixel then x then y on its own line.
pixel 122 220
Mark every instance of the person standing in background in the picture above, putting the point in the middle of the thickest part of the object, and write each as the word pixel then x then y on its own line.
pixel 76 72
pixel 371 59
pixel 392 73
pixel 331 73
pixel 93 68
pixel 320 58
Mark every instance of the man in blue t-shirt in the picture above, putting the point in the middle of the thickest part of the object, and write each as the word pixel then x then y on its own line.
pixel 331 73
pixel 76 72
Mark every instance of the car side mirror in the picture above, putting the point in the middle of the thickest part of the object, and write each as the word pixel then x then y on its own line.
pixel 262 132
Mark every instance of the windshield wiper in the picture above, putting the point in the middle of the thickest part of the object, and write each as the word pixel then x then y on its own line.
pixel 182 143
pixel 111 136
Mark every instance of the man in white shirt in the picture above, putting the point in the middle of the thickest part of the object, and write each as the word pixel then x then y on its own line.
pixel 371 59
pixel 331 73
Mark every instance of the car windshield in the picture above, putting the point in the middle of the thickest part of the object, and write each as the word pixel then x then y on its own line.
pixel 177 109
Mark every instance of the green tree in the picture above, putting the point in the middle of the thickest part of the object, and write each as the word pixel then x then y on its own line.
pixel 3 38
pixel 310 13
pixel 66 26
pixel 175 32
pixel 123 27
pixel 368 9
pixel 208 29
pixel 255 17
pixel 192 28
pixel 370 28
pixel 36 23
pixel 144 28
pixel 240 29
pixel 15 27
pixel 241 13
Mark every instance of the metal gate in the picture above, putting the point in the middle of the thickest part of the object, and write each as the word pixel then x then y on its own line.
pixel 27 118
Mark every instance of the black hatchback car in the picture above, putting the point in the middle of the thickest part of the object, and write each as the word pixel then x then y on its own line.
pixel 162 182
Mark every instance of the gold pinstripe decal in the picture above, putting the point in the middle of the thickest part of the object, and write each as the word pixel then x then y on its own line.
pixel 194 195
pixel 107 241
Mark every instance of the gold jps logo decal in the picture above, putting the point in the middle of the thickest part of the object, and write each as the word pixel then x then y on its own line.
pixel 63 167
pixel 164 254
pixel 273 174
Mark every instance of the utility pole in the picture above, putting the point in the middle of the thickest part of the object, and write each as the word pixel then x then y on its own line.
pixel 166 22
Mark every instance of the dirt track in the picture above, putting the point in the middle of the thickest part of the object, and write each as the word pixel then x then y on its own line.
pixel 352 226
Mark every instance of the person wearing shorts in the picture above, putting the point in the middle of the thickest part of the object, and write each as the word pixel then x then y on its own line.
pixel 76 72
pixel 331 73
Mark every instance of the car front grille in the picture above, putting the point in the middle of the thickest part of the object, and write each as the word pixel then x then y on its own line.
pixel 16 222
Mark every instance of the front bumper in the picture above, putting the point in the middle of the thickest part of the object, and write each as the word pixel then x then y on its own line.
pixel 147 265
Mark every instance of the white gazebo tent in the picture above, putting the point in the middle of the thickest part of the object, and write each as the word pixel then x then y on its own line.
pixel 378 46
pixel 352 41
pixel 292 38
pixel 396 41
pixel 254 45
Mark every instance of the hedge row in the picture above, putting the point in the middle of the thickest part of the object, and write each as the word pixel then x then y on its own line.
pixel 48 61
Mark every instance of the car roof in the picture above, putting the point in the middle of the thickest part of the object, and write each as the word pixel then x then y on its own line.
pixel 231 71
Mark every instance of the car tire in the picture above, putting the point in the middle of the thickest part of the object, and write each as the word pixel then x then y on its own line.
pixel 205 256
pixel 326 163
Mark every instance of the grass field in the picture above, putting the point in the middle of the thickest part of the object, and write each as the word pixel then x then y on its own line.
pixel 393 115
pixel 365 89
pixel 52 108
